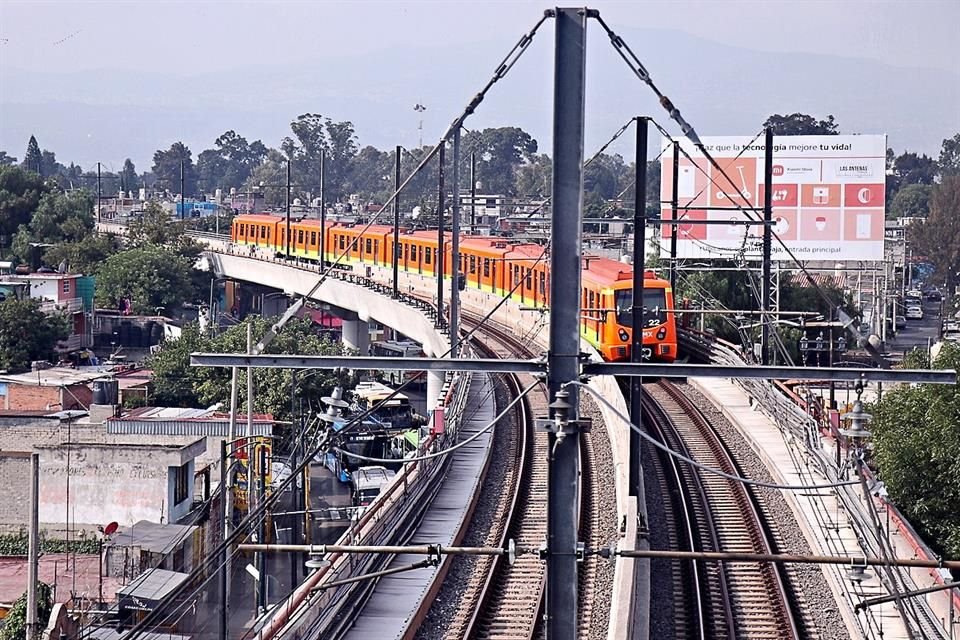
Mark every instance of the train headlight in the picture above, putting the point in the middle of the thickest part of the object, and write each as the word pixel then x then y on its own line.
pixel 624 336
pixel 661 333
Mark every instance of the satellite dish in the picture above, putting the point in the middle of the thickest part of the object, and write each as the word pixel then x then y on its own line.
pixel 110 529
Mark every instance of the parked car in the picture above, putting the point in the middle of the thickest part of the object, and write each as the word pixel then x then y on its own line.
pixel 901 322
pixel 935 296
pixel 914 313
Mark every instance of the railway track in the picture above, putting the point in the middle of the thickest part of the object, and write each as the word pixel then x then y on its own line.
pixel 732 600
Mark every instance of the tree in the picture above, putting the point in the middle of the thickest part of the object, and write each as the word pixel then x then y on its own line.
pixel 313 135
pixel 912 201
pixel 129 181
pixel 938 237
pixel 801 124
pixel 15 624
pixel 84 255
pixel 500 153
pixel 176 383
pixel 915 169
pixel 949 162
pixel 535 177
pixel 150 277
pixel 6 160
pixel 373 174
pixel 916 440
pixel 166 168
pixel 157 227
pixel 33 158
pixel 28 334
pixel 60 217
pixel 20 193
pixel 230 163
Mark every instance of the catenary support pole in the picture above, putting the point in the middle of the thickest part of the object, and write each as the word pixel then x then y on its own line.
pixel 636 345
pixel 262 533
pixel 563 358
pixel 473 194
pixel 637 489
pixel 323 208
pixel 766 283
pixel 249 431
pixel 438 259
pixel 455 250
pixel 674 204
pixel 396 223
pixel 33 548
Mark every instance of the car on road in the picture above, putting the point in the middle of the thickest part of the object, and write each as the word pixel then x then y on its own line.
pixel 901 322
pixel 935 296
pixel 915 313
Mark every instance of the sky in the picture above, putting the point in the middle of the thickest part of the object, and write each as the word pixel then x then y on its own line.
pixel 107 80
pixel 203 35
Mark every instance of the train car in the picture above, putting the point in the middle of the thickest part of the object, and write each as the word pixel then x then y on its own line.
pixel 493 265
pixel 485 260
pixel 526 267
pixel 607 300
pixel 255 229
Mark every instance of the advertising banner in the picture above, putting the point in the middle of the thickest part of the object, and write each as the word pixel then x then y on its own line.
pixel 828 197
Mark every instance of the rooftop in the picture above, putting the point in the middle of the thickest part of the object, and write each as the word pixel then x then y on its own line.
pixel 53 377
pixel 153 536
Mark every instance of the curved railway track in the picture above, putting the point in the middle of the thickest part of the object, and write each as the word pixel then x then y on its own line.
pixel 732 600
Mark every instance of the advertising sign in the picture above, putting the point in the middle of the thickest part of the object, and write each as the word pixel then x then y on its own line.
pixel 828 197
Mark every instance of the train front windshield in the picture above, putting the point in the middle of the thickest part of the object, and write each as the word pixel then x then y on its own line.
pixel 654 302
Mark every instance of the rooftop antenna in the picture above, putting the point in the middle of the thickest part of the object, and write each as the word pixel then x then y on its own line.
pixel 419 108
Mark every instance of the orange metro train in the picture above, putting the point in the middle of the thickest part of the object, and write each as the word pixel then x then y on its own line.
pixel 490 264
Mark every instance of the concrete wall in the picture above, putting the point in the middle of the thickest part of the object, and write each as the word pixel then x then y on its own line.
pixel 14 491
pixel 112 482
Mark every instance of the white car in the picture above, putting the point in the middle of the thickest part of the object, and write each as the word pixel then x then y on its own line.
pixel 914 313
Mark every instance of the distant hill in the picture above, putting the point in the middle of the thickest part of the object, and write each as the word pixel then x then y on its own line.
pixel 109 115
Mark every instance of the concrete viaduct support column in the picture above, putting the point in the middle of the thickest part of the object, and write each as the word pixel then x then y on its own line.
pixel 435 381
pixel 356 335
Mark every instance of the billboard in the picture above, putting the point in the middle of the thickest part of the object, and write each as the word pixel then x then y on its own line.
pixel 828 197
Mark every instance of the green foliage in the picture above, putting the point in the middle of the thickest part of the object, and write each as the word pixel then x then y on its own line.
pixel 28 334
pixel 84 255
pixel 500 153
pixel 916 438
pixel 33 158
pixel 313 135
pixel 129 180
pixel 229 164
pixel 149 276
pixel 18 544
pixel 166 169
pixel 157 227
pixel 938 237
pixel 6 159
pixel 59 217
pixel 949 162
pixel 15 624
pixel 912 200
pixel 176 383
pixel 801 124
pixel 20 193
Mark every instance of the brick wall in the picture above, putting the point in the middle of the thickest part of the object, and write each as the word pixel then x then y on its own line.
pixel 28 397
pixel 14 491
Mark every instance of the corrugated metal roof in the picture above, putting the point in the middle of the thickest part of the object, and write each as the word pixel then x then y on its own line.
pixel 207 428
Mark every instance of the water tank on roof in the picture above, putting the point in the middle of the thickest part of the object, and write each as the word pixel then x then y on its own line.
pixel 296 202
pixel 626 259
pixel 233 191
pixel 105 391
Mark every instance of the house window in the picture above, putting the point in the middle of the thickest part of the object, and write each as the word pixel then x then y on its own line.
pixel 181 483
pixel 66 286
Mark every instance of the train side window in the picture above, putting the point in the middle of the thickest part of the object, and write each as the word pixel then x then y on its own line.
pixel 263 231
pixel 486 267
pixel 427 255
pixel 343 242
pixel 268 234
pixel 473 264
pixel 300 236
pixel 592 303
pixel 369 245
pixel 313 237
pixel 529 280
pixel 543 284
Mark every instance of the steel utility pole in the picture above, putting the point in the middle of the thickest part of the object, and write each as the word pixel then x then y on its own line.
pixel 455 251
pixel 98 192
pixel 225 495
pixel 323 208
pixel 636 346
pixel 288 209
pixel 563 358
pixel 767 242
pixel 438 259
pixel 33 548
pixel 473 193
pixel 396 224
pixel 183 194
pixel 674 204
